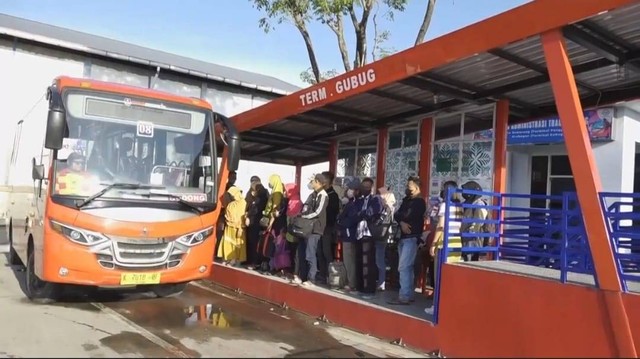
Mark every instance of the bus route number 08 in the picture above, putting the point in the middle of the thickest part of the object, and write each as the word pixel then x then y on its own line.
pixel 145 129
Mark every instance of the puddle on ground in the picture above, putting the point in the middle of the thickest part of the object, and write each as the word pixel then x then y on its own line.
pixel 201 317
pixel 131 343
pixel 212 315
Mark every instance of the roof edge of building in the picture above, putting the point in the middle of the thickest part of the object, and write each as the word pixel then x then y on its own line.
pixel 60 43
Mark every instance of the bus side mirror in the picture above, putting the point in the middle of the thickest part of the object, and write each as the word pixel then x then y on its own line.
pixel 231 138
pixel 37 171
pixel 234 152
pixel 56 125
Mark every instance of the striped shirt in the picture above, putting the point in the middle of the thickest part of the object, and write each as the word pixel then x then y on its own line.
pixel 455 215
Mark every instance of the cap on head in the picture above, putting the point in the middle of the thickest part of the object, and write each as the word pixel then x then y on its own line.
pixel 472 186
pixel 75 156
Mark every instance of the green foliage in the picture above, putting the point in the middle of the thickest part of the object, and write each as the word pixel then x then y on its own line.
pixel 338 15
pixel 306 76
pixel 280 11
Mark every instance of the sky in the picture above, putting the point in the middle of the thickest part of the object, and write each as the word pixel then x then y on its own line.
pixel 226 32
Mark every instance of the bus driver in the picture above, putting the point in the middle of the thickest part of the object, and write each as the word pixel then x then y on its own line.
pixel 74 180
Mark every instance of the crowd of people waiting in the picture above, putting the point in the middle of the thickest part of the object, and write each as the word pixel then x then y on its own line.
pixel 338 237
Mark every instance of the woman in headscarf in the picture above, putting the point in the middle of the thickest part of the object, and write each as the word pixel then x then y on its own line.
pixel 274 214
pixel 233 248
pixel 294 207
pixel 256 202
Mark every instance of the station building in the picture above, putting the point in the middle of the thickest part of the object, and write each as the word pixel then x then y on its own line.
pixel 486 103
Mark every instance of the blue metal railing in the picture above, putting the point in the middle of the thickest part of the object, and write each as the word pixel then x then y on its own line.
pixel 552 237
pixel 623 225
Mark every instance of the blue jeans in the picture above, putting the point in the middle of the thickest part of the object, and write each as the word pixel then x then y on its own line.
pixel 381 247
pixel 311 255
pixel 407 250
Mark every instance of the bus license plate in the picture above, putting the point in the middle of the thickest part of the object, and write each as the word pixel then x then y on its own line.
pixel 139 278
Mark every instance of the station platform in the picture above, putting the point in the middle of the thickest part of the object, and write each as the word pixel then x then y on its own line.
pixel 481 294
pixel 403 324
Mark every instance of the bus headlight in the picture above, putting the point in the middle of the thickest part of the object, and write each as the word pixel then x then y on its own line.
pixel 77 235
pixel 196 238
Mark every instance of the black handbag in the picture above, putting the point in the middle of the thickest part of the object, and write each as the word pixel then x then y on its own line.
pixel 301 227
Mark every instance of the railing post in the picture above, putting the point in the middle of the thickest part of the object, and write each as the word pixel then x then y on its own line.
pixel 498 227
pixel 565 237
pixel 442 254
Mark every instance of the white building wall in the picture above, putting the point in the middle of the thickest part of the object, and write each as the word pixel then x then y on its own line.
pixel 614 159
pixel 28 70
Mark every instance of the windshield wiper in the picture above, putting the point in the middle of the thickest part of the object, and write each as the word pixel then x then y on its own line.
pixel 177 198
pixel 123 185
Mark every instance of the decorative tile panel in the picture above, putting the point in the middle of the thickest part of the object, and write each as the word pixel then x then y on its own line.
pixel 401 164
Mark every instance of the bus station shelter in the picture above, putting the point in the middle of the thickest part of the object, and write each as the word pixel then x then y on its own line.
pixel 543 58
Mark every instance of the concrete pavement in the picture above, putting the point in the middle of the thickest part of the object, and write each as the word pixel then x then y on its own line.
pixel 205 321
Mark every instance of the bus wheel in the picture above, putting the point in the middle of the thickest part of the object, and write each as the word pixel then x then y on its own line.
pixel 169 290
pixel 14 259
pixel 36 289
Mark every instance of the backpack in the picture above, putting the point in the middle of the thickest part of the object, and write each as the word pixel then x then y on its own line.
pixel 347 222
pixel 485 227
pixel 381 223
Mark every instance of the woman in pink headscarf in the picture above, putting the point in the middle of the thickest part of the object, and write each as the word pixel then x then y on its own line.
pixel 294 207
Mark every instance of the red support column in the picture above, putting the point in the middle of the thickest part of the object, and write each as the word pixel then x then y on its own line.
pixel 424 165
pixel 587 180
pixel 298 178
pixel 424 172
pixel 381 158
pixel 500 150
pixel 333 156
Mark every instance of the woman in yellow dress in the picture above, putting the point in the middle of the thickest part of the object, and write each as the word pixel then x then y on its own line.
pixel 233 248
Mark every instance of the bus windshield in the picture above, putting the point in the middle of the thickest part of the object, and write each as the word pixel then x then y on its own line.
pixel 161 150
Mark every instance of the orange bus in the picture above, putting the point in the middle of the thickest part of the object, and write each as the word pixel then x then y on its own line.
pixel 129 195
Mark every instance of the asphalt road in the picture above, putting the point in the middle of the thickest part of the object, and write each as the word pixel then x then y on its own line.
pixel 205 321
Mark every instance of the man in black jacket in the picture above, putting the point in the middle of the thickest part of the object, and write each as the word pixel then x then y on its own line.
pixel 325 256
pixel 315 209
pixel 410 217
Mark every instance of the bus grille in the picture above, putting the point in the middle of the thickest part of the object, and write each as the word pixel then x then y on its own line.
pixel 124 253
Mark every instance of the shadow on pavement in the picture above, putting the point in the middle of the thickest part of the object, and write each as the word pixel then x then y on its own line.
pixel 81 294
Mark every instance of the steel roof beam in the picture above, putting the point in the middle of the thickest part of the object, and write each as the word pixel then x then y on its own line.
pixel 314 121
pixel 601 46
pixel 606 97
pixel 437 88
pixel 399 98
pixel 543 79
pixel 336 116
pixel 465 91
pixel 335 109
pixel 269 136
pixel 533 66
pixel 321 136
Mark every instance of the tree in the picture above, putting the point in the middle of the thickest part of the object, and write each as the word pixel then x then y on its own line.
pixel 333 13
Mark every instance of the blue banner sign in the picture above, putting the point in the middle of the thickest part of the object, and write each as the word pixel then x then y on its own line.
pixel 545 131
